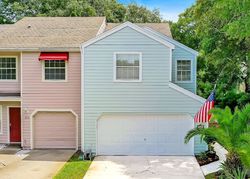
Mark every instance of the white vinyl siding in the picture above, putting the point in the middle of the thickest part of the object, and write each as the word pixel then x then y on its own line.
pixel 184 70
pixel 127 66
pixel 54 70
pixel 8 68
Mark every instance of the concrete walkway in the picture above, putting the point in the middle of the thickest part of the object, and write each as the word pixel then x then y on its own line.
pixel 144 167
pixel 215 166
pixel 32 164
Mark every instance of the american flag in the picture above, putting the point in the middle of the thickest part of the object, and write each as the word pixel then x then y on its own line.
pixel 202 115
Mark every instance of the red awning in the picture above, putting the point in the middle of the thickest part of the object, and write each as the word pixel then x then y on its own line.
pixel 54 56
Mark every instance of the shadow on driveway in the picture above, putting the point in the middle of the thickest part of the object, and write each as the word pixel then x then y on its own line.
pixel 33 164
pixel 50 155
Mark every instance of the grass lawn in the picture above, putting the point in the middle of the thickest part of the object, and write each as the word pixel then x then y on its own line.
pixel 213 175
pixel 75 168
pixel 210 176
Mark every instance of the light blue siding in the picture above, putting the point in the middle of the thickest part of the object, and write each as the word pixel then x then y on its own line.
pixel 182 54
pixel 200 146
pixel 127 36
pixel 152 95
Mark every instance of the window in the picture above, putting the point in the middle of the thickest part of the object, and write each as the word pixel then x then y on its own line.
pixel 128 67
pixel 8 68
pixel 184 70
pixel 54 70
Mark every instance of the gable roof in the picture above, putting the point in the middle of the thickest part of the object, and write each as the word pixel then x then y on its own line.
pixel 186 92
pixel 171 40
pixel 131 25
pixel 159 27
pixel 64 33
pixel 50 32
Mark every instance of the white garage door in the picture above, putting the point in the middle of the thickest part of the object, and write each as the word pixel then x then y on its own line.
pixel 144 135
pixel 54 130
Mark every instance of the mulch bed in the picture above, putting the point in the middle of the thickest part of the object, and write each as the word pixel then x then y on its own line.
pixel 206 158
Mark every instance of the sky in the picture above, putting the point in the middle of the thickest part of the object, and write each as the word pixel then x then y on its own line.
pixel 170 9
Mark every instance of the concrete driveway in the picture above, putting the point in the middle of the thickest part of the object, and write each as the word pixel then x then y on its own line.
pixel 32 164
pixel 144 167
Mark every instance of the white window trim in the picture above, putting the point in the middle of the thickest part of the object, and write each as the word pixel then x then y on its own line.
pixel 17 70
pixel 1 119
pixel 140 67
pixel 56 81
pixel 176 79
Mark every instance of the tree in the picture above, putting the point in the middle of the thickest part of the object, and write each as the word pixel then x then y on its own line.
pixel 11 11
pixel 233 132
pixel 140 14
pixel 220 31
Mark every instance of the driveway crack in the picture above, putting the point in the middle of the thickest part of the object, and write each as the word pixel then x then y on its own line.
pixel 148 169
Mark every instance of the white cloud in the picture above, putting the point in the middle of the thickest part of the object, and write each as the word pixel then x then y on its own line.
pixel 173 16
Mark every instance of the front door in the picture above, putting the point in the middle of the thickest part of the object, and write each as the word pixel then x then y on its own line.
pixel 15 124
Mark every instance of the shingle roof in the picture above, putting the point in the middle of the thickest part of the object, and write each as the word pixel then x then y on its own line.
pixel 160 27
pixel 50 32
pixel 58 32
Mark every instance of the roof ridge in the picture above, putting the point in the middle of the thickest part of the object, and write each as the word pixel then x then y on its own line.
pixel 161 27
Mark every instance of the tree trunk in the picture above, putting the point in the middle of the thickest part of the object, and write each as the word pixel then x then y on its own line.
pixel 247 84
pixel 247 79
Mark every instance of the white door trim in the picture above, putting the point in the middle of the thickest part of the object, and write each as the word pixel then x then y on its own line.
pixel 51 110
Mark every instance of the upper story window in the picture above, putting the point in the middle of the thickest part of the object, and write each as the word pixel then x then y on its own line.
pixel 184 68
pixel 127 67
pixel 8 68
pixel 55 70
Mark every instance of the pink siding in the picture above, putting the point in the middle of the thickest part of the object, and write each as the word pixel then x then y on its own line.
pixel 11 86
pixel 54 130
pixel 37 94
pixel 4 136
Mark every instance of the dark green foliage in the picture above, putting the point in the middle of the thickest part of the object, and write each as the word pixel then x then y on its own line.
pixel 209 139
pixel 233 98
pixel 220 31
pixel 233 169
pixel 202 156
pixel 232 132
pixel 232 162
pixel 11 11
pixel 140 14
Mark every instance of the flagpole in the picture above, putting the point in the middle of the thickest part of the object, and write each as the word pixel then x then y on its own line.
pixel 215 85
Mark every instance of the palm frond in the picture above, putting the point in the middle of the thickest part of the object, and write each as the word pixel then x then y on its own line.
pixel 232 132
pixel 194 132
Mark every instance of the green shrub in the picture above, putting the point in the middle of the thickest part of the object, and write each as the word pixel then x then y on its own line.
pixel 232 162
pixel 232 99
pixel 235 173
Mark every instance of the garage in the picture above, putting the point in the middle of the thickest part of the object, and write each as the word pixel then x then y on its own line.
pixel 54 130
pixel 144 134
